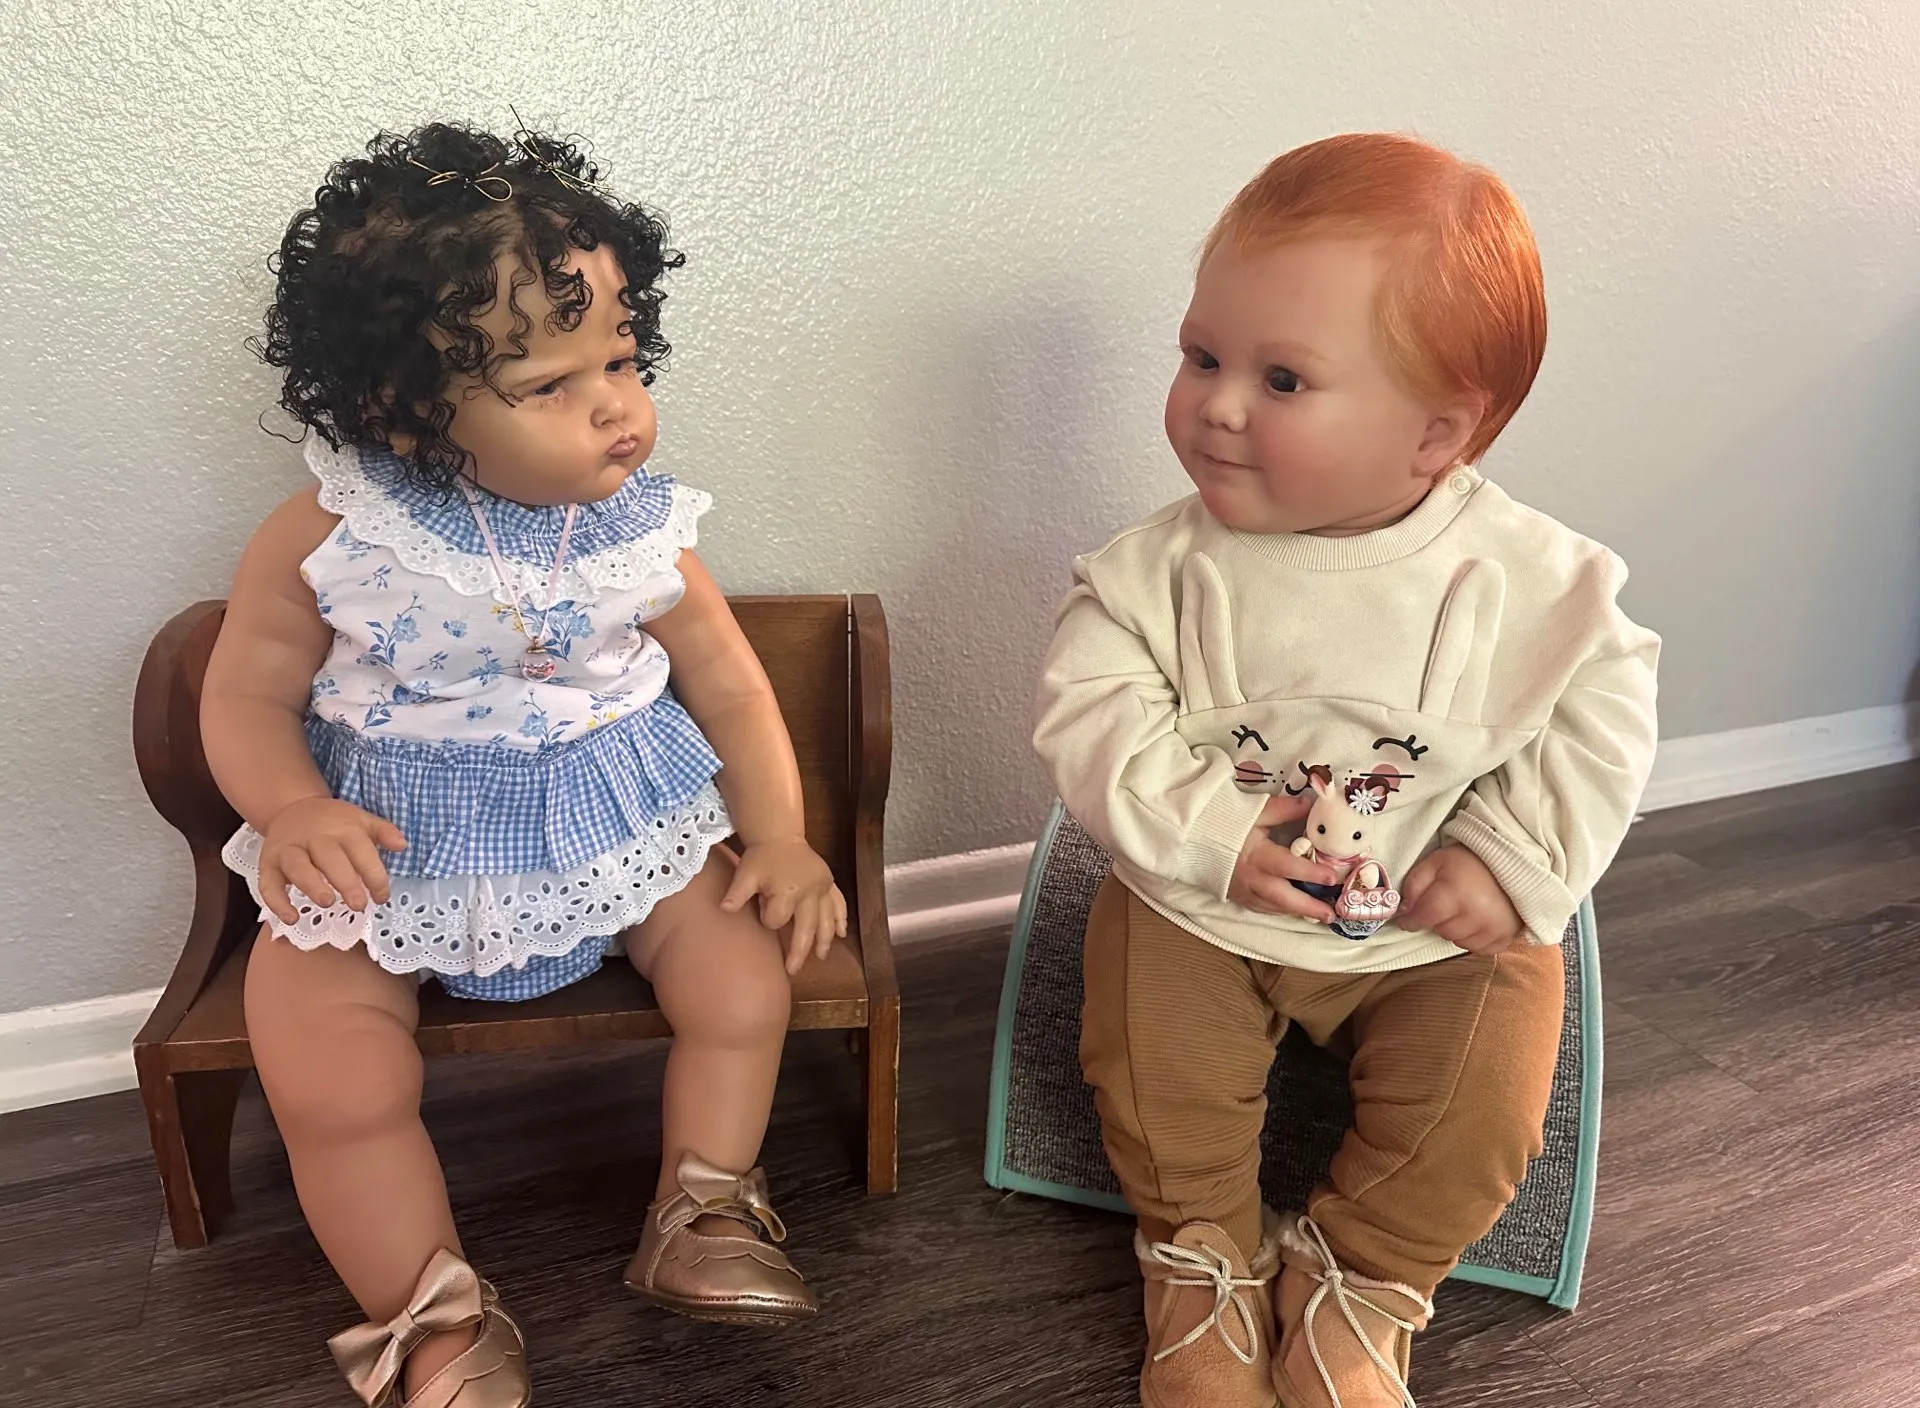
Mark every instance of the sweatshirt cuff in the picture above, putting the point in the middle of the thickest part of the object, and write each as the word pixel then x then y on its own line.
pixel 1213 844
pixel 1541 899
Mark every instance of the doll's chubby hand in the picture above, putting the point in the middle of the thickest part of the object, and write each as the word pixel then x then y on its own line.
pixel 330 851
pixel 795 887
pixel 1263 876
pixel 1452 893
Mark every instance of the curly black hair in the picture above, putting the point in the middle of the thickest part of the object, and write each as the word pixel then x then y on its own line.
pixel 379 281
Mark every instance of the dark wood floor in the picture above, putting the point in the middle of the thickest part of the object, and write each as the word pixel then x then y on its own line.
pixel 1757 1241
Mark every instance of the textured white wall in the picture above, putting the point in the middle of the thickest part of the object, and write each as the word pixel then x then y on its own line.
pixel 938 253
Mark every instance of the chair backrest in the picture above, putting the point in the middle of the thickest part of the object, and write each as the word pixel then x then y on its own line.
pixel 815 649
pixel 805 644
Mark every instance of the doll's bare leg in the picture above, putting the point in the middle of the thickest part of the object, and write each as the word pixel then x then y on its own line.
pixel 721 984
pixel 332 1035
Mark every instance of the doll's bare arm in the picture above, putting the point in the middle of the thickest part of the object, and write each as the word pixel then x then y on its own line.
pixel 254 702
pixel 252 713
pixel 719 679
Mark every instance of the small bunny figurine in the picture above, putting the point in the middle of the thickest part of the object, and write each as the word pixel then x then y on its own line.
pixel 1337 834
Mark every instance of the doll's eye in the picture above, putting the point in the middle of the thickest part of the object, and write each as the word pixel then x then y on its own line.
pixel 1322 829
pixel 1200 357
pixel 1356 835
pixel 1284 381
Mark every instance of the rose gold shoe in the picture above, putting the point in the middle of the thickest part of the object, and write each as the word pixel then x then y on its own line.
pixel 734 1280
pixel 490 1373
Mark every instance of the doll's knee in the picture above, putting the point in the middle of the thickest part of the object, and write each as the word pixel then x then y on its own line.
pixel 748 1005
pixel 755 1008
pixel 352 1079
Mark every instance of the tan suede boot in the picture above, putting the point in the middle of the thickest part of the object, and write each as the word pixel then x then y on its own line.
pixel 1209 1319
pixel 1345 1339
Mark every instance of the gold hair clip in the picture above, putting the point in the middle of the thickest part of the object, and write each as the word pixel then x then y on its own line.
pixel 494 188
pixel 565 178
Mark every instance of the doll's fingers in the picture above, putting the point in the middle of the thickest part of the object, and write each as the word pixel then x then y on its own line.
pixel 386 835
pixel 1438 910
pixel 1271 859
pixel 307 879
pixel 839 913
pixel 746 880
pixel 776 910
pixel 796 954
pixel 1284 898
pixel 273 893
pixel 1417 881
pixel 1288 866
pixel 829 929
pixel 1415 892
pixel 806 921
pixel 366 861
pixel 1280 809
pixel 334 863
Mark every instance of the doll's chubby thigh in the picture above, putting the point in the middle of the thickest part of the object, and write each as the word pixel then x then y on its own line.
pixel 332 1033
pixel 718 975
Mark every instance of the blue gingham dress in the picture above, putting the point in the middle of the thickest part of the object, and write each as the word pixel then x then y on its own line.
pixel 542 818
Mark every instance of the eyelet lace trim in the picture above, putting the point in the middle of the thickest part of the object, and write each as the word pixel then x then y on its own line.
pixel 374 516
pixel 480 924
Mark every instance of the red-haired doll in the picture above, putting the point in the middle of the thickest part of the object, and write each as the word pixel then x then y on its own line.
pixel 1368 314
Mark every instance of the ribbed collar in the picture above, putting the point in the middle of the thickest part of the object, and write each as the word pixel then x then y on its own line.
pixel 1429 520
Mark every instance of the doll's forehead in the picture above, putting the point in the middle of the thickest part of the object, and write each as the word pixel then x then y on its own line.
pixel 1300 301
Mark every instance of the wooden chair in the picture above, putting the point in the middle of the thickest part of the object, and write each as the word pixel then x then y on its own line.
pixel 828 659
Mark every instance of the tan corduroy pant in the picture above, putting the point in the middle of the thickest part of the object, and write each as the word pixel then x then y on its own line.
pixel 1451 1065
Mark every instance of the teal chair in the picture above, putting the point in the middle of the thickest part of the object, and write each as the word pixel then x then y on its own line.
pixel 1043 1136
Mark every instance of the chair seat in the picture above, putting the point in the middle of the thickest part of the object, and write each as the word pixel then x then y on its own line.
pixel 614 1004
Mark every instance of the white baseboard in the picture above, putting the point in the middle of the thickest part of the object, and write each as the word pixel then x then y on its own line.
pixel 1710 766
pixel 50 1054
pixel 931 899
pixel 68 1052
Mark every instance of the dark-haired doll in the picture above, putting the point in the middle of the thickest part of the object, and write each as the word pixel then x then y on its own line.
pixel 483 711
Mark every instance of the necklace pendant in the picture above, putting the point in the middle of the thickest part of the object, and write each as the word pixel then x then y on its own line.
pixel 537 665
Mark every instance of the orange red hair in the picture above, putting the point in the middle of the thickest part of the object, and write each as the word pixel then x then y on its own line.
pixel 1463 307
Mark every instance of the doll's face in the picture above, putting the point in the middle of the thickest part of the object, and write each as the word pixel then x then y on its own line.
pixel 1285 411
pixel 574 421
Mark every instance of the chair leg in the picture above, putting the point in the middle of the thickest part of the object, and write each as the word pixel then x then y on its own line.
pixel 883 1097
pixel 190 1119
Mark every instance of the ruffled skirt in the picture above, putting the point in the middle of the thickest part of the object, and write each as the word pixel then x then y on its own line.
pixel 521 865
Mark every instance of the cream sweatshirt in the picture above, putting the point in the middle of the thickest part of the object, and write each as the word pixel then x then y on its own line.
pixel 1476 645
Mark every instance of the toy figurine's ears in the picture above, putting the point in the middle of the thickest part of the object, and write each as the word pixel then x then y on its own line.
pixel 1320 778
pixel 1461 656
pixel 1209 677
